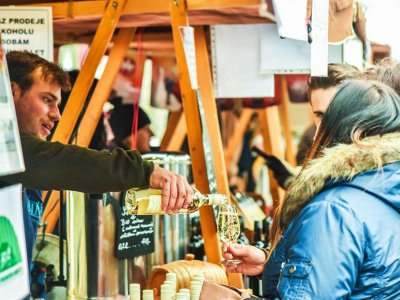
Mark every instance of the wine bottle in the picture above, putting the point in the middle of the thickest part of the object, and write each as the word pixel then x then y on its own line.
pixel 257 238
pixel 196 240
pixel 254 281
pixel 267 222
pixel 148 201
pixel 248 205
pixel 242 239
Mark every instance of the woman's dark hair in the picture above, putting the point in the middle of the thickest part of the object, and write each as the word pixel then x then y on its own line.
pixel 359 109
pixel 22 65
pixel 337 74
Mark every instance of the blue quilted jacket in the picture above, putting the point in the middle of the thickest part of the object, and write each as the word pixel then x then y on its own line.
pixel 343 244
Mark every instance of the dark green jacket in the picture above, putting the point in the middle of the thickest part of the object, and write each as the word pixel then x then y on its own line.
pixel 55 166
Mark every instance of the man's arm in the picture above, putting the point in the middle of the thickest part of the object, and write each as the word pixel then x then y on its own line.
pixel 52 165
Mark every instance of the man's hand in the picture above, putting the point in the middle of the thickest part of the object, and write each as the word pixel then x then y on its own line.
pixel 252 258
pixel 176 191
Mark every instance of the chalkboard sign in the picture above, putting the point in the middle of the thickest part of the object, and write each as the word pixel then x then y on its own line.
pixel 135 234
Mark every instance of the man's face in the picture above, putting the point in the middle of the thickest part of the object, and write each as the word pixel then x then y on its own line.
pixel 37 108
pixel 320 99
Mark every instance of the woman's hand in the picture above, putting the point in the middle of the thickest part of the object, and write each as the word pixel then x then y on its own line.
pixel 253 259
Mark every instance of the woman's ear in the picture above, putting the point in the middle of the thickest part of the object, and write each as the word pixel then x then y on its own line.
pixel 16 91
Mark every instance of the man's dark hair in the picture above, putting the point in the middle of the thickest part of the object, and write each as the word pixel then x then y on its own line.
pixel 22 65
pixel 337 74
pixel 387 70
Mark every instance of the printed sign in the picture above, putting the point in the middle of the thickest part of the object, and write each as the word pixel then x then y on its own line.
pixel 27 29
pixel 14 282
pixel 11 160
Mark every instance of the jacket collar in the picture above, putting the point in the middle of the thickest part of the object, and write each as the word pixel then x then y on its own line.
pixel 343 161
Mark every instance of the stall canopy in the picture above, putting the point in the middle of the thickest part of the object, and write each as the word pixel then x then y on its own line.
pixel 77 20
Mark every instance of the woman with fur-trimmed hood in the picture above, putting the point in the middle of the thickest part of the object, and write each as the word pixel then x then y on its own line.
pixel 336 233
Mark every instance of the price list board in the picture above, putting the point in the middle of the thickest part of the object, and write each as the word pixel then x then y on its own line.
pixel 135 234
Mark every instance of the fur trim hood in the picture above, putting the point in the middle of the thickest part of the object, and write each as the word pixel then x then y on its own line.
pixel 341 162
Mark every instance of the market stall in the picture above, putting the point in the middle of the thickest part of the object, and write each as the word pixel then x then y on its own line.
pixel 112 26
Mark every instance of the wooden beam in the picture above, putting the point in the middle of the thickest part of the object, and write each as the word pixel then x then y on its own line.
pixel 82 9
pixel 237 137
pixel 104 87
pixel 212 123
pixel 175 132
pixel 86 76
pixel 271 132
pixel 193 125
pixel 284 117
pixel 206 4
pixel 81 88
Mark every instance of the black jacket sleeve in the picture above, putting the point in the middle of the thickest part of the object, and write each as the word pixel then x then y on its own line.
pixel 55 166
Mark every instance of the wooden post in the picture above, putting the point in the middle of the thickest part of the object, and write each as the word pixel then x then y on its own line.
pixel 271 132
pixel 193 124
pixel 211 115
pixel 284 116
pixel 207 218
pixel 175 132
pixel 80 91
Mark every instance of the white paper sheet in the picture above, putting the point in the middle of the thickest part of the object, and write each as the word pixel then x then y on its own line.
pixel 236 60
pixel 14 281
pixel 291 18
pixel 285 56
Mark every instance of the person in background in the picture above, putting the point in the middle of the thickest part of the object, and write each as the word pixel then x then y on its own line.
pixel 99 138
pixel 121 121
pixel 321 91
pixel 36 86
pixel 335 234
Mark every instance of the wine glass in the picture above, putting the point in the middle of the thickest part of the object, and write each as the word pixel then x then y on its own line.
pixel 228 227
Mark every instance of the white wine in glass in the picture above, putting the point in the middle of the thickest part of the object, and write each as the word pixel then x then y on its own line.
pixel 228 227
